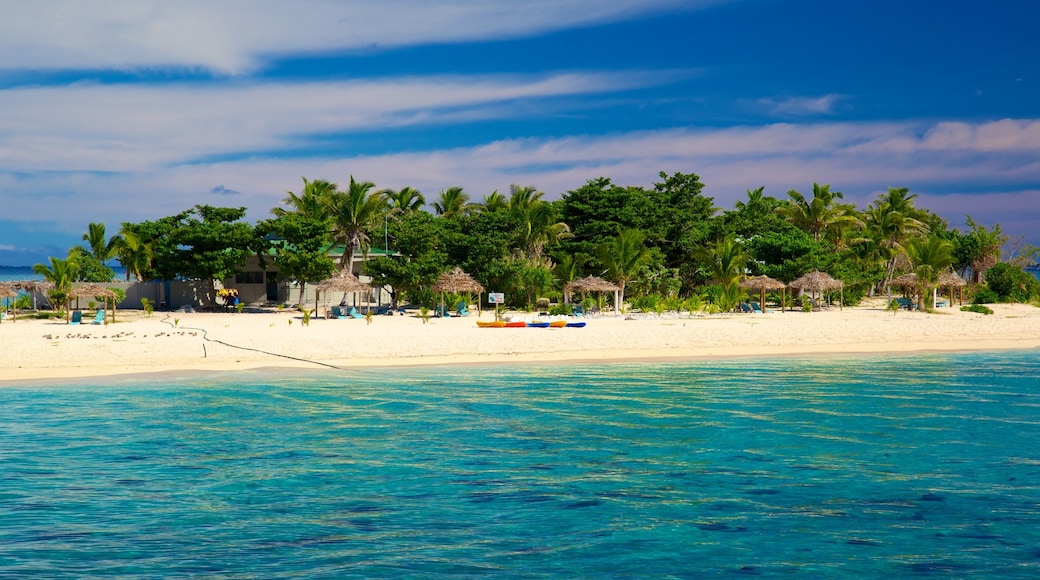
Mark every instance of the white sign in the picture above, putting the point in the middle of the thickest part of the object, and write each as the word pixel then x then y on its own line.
pixel 496 298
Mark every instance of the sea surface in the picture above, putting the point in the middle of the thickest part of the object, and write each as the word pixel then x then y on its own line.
pixel 871 466
pixel 17 273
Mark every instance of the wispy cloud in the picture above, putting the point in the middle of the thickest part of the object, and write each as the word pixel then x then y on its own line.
pixel 221 190
pixel 236 36
pixel 801 106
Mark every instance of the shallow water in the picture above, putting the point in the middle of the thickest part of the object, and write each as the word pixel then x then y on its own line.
pixel 905 466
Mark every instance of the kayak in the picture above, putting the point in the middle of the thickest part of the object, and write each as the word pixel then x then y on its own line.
pixel 538 324
pixel 580 324
pixel 491 323
pixel 558 323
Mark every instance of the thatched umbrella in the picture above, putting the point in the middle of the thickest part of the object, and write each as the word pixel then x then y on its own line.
pixel 7 291
pixel 819 282
pixel 33 286
pixel 952 280
pixel 93 290
pixel 458 281
pixel 908 281
pixel 343 282
pixel 763 283
pixel 592 284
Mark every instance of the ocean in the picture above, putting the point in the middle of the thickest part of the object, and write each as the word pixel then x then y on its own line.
pixel 898 466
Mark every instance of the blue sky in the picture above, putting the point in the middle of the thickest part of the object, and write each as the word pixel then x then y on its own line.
pixel 134 111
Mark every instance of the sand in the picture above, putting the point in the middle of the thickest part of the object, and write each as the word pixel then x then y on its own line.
pixel 163 342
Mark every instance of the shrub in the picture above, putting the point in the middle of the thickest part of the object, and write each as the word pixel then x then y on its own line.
pixel 977 308
pixel 1011 283
pixel 560 309
pixel 985 296
pixel 149 308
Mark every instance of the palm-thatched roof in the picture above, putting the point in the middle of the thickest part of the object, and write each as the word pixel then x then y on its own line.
pixel 92 290
pixel 7 291
pixel 457 281
pixel 951 279
pixel 343 282
pixel 32 285
pixel 906 280
pixel 762 283
pixel 590 284
pixel 817 282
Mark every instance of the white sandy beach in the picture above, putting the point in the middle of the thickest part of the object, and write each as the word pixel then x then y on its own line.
pixel 37 349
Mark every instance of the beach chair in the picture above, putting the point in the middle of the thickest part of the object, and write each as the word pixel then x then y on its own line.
pixel 99 318
pixel 441 312
pixel 461 309
pixel 337 312
pixel 577 310
pixel 756 308
pixel 745 308
pixel 353 313
pixel 77 317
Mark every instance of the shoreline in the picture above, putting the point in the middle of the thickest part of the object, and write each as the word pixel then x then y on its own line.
pixel 171 343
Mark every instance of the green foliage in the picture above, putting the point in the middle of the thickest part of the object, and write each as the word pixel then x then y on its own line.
pixel 120 294
pixel 149 308
pixel 1012 284
pixel 424 314
pixel 23 302
pixel 807 306
pixel 561 309
pixel 977 308
pixel 299 243
pixel 306 315
pixel 420 240
pixel 240 307
pixel 985 296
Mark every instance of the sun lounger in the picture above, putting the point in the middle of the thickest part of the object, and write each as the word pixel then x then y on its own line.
pixel 337 312
pixel 99 318
pixel 77 317
pixel 461 309
pixel 353 313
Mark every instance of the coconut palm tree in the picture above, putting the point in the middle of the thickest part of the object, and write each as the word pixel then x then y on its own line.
pixel 623 256
pixel 99 246
pixel 540 228
pixel 133 253
pixel 354 213
pixel 756 198
pixel 311 202
pixel 929 257
pixel 891 221
pixel 493 202
pixel 453 201
pixel 405 200
pixel 62 273
pixel 523 197
pixel 818 215
pixel 726 260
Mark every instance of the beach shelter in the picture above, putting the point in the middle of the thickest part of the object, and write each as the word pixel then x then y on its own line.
pixel 9 292
pixel 907 282
pixel 33 286
pixel 820 282
pixel 342 282
pixel 764 283
pixel 95 291
pixel 952 280
pixel 593 284
pixel 458 281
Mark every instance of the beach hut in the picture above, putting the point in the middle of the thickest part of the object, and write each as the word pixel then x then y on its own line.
pixel 343 282
pixel 952 280
pixel 32 287
pixel 458 281
pixel 908 282
pixel 764 283
pixel 592 284
pixel 7 291
pixel 820 282
pixel 95 291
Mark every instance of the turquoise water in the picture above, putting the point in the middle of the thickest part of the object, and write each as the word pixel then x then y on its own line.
pixel 814 468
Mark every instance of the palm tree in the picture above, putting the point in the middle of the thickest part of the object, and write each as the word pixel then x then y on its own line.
pixel 98 245
pixel 133 253
pixel 493 202
pixel 453 201
pixel 354 212
pixel 818 215
pixel 755 197
pixel 623 256
pixel 891 222
pixel 405 200
pixel 929 257
pixel 523 197
pixel 540 228
pixel 726 260
pixel 62 272
pixel 311 202
pixel 569 267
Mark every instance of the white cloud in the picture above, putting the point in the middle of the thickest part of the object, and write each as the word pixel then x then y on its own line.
pixel 802 106
pixel 235 36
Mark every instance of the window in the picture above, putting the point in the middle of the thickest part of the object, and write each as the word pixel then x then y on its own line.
pixel 249 278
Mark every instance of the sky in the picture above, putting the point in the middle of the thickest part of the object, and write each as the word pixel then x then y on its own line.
pixel 119 112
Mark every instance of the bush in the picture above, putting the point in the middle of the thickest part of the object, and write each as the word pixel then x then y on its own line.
pixel 985 296
pixel 1011 283
pixel 977 308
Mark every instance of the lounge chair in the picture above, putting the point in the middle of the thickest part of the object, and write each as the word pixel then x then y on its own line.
pixel 77 317
pixel 906 303
pixel 353 313
pixel 461 309
pixel 577 310
pixel 337 312
pixel 756 308
pixel 99 318
pixel 441 312
pixel 745 308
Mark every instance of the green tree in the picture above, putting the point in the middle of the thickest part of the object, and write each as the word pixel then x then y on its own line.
pixel 623 256
pixel 61 273
pixel 494 201
pixel 421 256
pixel 818 215
pixel 452 202
pixel 300 245
pixel 890 222
pixel 99 246
pixel 354 213
pixel 929 257
pixel 405 200
pixel 133 253
pixel 979 249
pixel 311 202
pixel 725 260
pixel 539 227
